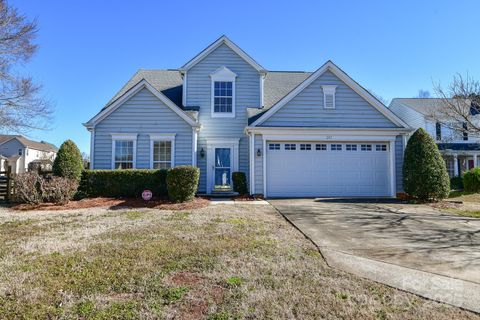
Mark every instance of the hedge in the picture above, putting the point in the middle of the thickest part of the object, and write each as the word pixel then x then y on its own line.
pixel 456 183
pixel 240 183
pixel 182 183
pixel 471 180
pixel 122 183
pixel 425 175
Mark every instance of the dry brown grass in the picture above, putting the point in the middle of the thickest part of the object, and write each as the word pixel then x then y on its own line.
pixel 219 262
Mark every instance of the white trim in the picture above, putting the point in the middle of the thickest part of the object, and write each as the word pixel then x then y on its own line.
pixel 262 84
pixel 304 132
pixel 223 40
pixel 194 146
pixel 264 164
pixel 233 144
pixel 127 137
pixel 252 162
pixel 127 95
pixel 392 170
pixel 328 89
pixel 158 137
pixel 330 66
pixel 222 74
pixel 92 147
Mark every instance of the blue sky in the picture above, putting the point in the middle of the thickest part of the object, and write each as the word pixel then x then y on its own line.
pixel 89 49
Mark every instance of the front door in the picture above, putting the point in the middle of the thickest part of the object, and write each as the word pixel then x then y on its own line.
pixel 222 169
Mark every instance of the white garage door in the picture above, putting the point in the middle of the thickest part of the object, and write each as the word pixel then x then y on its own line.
pixel 316 169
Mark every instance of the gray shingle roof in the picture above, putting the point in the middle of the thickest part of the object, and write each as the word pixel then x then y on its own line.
pixel 277 85
pixel 42 146
pixel 425 106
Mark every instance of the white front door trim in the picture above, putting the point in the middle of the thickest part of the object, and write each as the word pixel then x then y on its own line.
pixel 212 144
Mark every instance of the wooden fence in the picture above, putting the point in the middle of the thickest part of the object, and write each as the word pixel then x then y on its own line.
pixel 6 185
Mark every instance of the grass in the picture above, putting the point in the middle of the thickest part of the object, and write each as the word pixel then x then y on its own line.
pixel 219 262
pixel 471 203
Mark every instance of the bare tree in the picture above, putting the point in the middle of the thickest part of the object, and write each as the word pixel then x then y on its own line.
pixel 21 106
pixel 379 98
pixel 459 106
pixel 423 94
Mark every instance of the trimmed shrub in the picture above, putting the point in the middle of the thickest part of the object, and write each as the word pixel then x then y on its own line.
pixel 456 183
pixel 425 175
pixel 32 188
pixel 68 163
pixel 122 183
pixel 182 183
pixel 471 180
pixel 240 183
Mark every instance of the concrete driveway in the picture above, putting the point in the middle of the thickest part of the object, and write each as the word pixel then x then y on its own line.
pixel 411 247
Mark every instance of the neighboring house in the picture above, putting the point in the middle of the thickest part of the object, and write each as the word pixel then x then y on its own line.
pixel 293 134
pixel 459 149
pixel 17 152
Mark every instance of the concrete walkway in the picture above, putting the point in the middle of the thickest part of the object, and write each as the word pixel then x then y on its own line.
pixel 410 247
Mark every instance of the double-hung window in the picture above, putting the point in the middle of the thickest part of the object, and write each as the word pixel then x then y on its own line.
pixel 223 93
pixel 162 148
pixel 124 151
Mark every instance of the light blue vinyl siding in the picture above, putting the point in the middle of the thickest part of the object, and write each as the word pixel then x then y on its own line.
pixel 399 163
pixel 258 165
pixel 247 94
pixel 11 147
pixel 143 114
pixel 306 109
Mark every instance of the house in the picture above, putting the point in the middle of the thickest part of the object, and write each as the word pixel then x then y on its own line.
pixel 294 134
pixel 17 152
pixel 459 149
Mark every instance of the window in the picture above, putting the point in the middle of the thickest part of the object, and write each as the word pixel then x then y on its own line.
pixel 465 132
pixel 20 152
pixel 223 97
pixel 351 147
pixel 366 147
pixel 381 147
pixel 274 146
pixel 162 155
pixel 304 146
pixel 438 131
pixel 124 150
pixel 321 147
pixel 336 147
pixel 329 96
pixel 223 93
pixel 123 154
pixel 290 146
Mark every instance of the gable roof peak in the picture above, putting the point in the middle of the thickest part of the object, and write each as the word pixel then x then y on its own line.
pixel 223 39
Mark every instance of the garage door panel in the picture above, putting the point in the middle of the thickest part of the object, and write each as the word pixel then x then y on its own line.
pixel 327 172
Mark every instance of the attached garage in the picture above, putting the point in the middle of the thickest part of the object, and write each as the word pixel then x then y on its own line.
pixel 328 169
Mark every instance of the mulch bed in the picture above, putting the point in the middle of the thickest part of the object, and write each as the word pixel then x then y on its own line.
pixel 248 198
pixel 112 203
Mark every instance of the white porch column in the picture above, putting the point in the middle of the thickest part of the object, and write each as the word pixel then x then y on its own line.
pixel 455 165
pixel 475 160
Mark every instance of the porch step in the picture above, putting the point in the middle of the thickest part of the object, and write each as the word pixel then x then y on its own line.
pixel 225 194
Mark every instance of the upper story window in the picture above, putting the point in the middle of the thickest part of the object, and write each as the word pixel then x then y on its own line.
pixel 223 97
pixel 223 93
pixel 438 131
pixel 20 152
pixel 465 132
pixel 329 96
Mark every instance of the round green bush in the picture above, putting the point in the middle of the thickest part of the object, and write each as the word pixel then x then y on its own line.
pixel 240 183
pixel 425 175
pixel 182 183
pixel 471 180
pixel 68 163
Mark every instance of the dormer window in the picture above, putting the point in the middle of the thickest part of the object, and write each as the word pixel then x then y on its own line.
pixel 329 96
pixel 223 93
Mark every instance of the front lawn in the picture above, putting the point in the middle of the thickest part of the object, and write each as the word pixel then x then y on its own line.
pixel 217 262
pixel 470 204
